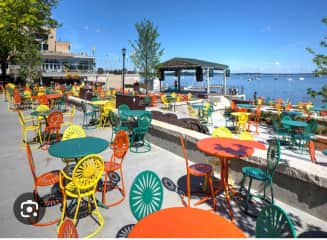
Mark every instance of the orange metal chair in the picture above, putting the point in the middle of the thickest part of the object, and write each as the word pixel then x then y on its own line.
pixel 256 120
pixel 312 151
pixel 54 121
pixel 198 170
pixel 43 100
pixel 120 148
pixel 67 229
pixel 44 180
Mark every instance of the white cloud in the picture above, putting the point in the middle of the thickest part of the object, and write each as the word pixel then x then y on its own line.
pixel 277 63
pixel 86 27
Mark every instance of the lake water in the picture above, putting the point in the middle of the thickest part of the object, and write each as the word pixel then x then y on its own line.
pixel 293 87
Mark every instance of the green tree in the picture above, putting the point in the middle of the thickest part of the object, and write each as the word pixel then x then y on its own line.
pixel 147 52
pixel 29 61
pixel 321 62
pixel 20 21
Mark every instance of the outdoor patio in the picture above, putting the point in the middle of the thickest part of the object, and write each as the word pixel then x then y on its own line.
pixel 17 179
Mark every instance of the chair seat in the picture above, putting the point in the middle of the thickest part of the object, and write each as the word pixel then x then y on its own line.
pixel 255 173
pixel 111 166
pixel 72 191
pixel 48 178
pixel 200 169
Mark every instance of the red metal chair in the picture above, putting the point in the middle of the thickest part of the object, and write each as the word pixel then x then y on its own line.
pixel 54 121
pixel 120 148
pixel 44 180
pixel 198 170
pixel 67 229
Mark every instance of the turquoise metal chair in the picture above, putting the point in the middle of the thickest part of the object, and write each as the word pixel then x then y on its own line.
pixel 273 157
pixel 273 222
pixel 139 141
pixel 89 118
pixel 145 197
pixel 282 134
pixel 302 139
pixel 116 125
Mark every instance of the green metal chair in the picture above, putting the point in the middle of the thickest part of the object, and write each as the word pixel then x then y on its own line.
pixel 302 139
pixel 207 114
pixel 273 222
pixel 282 134
pixel 116 126
pixel 122 117
pixel 147 100
pixel 139 141
pixel 89 117
pixel 145 197
pixel 273 157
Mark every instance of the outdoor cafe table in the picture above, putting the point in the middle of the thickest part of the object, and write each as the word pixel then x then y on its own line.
pixel 134 113
pixel 227 149
pixel 78 147
pixel 245 105
pixel 294 123
pixel 181 222
pixel 293 113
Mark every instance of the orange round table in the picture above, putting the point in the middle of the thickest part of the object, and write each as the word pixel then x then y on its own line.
pixel 181 222
pixel 226 149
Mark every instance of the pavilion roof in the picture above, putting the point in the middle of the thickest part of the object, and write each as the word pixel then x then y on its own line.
pixel 190 63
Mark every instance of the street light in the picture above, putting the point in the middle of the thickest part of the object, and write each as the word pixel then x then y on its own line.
pixel 123 51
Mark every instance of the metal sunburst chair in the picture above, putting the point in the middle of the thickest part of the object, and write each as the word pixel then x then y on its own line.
pixel 82 184
pixel 145 197
pixel 120 148
pixel 44 180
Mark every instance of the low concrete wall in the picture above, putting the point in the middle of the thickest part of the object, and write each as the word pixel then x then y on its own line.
pixel 300 184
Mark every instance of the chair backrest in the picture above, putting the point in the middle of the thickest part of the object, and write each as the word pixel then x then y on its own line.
pixel 121 109
pixel 242 118
pixel 55 119
pixel 144 121
pixel 146 194
pixel 73 131
pixel 88 171
pixel 108 106
pixel 42 108
pixel 83 106
pixel 43 100
pixel 119 146
pixel 112 119
pixel 313 125
pixel 67 229
pixel 312 151
pixel 222 132
pixel 147 100
pixel 246 136
pixel 30 160
pixel 273 222
pixel 273 157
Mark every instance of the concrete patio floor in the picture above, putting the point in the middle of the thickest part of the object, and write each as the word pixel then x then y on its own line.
pixel 16 179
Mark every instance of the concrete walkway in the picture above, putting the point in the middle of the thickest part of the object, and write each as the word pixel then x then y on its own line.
pixel 16 179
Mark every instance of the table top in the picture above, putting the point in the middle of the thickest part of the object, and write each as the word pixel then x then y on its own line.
pixel 294 113
pixel 198 106
pixel 239 113
pixel 324 151
pixel 54 95
pixel 134 113
pixel 78 147
pixel 40 113
pixel 99 102
pixel 294 123
pixel 245 105
pixel 184 222
pixel 228 147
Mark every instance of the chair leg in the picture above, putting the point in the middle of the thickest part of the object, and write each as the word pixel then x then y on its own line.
pixel 272 192
pixel 77 210
pixel 212 191
pixel 248 196
pixel 100 219
pixel 242 184
pixel 188 189
pixel 104 190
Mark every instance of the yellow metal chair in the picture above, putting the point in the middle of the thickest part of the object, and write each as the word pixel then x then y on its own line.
pixel 69 117
pixel 104 115
pixel 82 184
pixel 242 121
pixel 191 111
pixel 222 132
pixel 73 131
pixel 28 125
pixel 42 108
pixel 164 101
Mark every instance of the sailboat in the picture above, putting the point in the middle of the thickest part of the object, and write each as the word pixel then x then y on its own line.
pixel 301 78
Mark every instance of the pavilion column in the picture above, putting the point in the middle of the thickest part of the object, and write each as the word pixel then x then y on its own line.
pixel 179 80
pixel 208 81
pixel 225 81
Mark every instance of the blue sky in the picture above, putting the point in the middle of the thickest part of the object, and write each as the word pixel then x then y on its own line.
pixel 249 36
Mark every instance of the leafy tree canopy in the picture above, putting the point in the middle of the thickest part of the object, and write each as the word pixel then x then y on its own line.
pixel 146 51
pixel 20 21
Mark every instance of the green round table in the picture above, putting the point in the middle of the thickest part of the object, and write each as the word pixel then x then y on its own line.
pixel 78 147
pixel 324 151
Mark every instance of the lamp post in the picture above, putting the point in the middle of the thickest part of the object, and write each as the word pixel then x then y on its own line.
pixel 123 51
